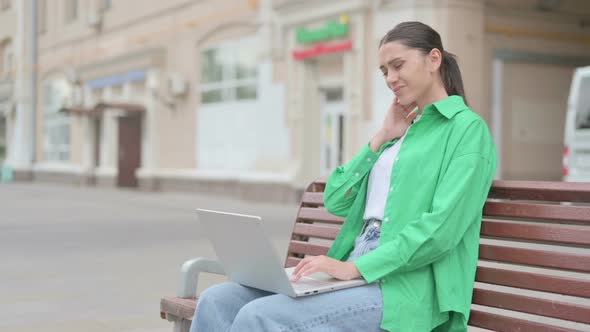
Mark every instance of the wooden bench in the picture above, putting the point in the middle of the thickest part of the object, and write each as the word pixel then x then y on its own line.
pixel 534 267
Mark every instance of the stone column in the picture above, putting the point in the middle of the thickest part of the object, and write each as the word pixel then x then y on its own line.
pixel 21 150
pixel 149 132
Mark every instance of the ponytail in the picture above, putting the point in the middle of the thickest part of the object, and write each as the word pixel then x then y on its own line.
pixel 451 75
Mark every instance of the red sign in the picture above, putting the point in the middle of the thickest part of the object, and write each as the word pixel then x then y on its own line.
pixel 321 49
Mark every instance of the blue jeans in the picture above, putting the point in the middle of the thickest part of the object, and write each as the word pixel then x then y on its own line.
pixel 233 307
pixel 368 240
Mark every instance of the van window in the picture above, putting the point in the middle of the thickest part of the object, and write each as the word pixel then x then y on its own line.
pixel 583 104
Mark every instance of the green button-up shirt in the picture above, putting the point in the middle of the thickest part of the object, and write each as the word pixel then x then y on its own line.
pixel 428 249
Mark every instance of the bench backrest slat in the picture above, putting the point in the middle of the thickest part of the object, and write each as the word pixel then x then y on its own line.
pixel 301 247
pixel 538 211
pixel 550 233
pixel 311 198
pixel 319 215
pixel 535 257
pixel 316 231
pixel 532 305
pixel 565 285
pixel 540 191
pixel 497 322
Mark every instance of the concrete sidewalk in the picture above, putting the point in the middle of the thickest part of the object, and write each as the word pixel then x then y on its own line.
pixel 87 259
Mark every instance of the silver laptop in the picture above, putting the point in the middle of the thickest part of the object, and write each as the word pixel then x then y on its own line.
pixel 250 259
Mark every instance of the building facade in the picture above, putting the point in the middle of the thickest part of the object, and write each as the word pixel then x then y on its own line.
pixel 255 99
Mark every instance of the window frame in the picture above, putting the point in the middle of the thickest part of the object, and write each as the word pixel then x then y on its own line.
pixel 52 118
pixel 229 83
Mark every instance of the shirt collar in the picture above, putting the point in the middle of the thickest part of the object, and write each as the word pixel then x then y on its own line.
pixel 448 107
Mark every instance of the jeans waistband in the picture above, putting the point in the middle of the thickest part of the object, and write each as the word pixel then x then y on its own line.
pixel 371 221
pixel 374 220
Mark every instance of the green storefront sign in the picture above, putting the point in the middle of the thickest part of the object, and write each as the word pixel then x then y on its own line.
pixel 332 29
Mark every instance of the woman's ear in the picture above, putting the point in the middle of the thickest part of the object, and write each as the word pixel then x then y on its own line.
pixel 434 59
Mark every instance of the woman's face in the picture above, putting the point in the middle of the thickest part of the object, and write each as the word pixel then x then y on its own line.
pixel 407 71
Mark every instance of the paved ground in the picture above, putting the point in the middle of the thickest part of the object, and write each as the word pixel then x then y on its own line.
pixel 87 259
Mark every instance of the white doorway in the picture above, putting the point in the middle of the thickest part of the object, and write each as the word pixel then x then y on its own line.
pixel 333 124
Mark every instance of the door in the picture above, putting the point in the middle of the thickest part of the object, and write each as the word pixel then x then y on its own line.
pixel 129 150
pixel 534 109
pixel 332 129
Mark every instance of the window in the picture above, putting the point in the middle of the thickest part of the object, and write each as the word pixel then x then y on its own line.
pixel 71 10
pixel 106 4
pixel 56 145
pixel 5 4
pixel 41 16
pixel 229 73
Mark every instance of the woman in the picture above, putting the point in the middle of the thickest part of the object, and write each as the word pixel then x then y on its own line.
pixel 412 198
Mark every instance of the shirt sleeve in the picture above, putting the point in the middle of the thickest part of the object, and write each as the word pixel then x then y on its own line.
pixel 344 182
pixel 458 202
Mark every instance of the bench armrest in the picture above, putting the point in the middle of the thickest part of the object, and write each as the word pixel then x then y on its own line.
pixel 189 274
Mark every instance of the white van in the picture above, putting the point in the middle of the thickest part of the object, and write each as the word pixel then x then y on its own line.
pixel 576 153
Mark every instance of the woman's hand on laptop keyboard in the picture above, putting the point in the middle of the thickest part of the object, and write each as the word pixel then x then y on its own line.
pixel 335 268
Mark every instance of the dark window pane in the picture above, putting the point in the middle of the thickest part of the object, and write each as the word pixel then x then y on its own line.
pixel 334 94
pixel 211 68
pixel 213 96
pixel 246 92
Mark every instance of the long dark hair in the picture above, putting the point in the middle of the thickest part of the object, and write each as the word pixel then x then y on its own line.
pixel 424 38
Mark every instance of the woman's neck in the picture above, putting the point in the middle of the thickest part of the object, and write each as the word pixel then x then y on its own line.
pixel 435 94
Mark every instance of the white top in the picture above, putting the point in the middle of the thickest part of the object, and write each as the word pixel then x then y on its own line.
pixel 378 188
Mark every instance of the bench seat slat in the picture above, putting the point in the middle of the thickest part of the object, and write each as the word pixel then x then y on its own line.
pixel 317 231
pixel 318 214
pixel 536 257
pixel 541 191
pixel 533 281
pixel 532 305
pixel 564 234
pixel 496 322
pixel 537 211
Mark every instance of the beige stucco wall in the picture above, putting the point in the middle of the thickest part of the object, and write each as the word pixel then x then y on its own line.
pixel 7 24
pixel 175 30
